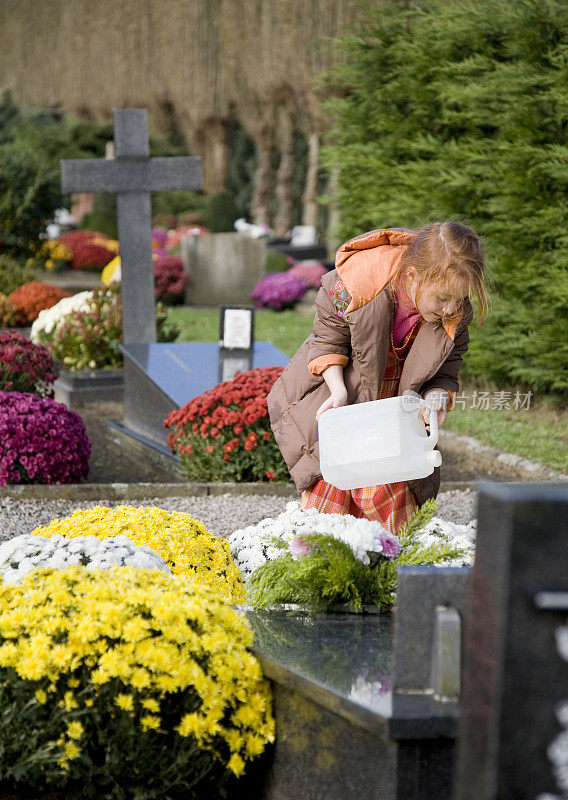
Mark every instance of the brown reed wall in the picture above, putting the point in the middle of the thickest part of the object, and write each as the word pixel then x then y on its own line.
pixel 196 61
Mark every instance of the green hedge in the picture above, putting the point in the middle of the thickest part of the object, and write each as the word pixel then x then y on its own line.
pixel 29 196
pixel 459 112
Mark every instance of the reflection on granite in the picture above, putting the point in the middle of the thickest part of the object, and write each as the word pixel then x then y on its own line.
pixel 320 755
pixel 186 369
pixel 348 654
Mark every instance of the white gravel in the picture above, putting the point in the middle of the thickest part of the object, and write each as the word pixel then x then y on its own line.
pixel 221 514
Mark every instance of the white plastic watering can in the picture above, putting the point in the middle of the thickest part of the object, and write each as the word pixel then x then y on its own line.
pixel 382 441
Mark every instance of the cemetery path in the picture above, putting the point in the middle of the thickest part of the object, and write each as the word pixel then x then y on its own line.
pixel 109 463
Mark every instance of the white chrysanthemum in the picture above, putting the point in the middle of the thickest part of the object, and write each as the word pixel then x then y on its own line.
pixel 22 554
pixel 253 546
pixel 48 319
pixel 440 531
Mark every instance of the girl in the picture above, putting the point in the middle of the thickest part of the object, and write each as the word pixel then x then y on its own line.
pixel 391 318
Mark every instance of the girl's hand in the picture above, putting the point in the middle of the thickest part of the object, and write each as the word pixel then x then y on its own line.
pixel 336 399
pixel 438 399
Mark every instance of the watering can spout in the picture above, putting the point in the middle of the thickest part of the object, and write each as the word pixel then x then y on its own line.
pixel 434 458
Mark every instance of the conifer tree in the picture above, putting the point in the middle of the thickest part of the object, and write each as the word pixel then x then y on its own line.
pixel 460 111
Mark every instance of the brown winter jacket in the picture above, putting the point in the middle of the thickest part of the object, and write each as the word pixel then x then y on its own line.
pixel 358 337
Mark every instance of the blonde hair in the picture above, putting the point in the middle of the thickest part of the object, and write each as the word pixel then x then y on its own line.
pixel 447 254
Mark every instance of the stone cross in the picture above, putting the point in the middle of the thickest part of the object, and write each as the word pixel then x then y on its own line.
pixel 513 739
pixel 132 175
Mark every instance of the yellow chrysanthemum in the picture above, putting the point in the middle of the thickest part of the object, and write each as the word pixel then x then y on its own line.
pixel 151 704
pixel 125 702
pixel 150 722
pixel 236 764
pixel 112 272
pixel 41 696
pixel 184 543
pixel 157 634
pixel 75 730
pixel 72 750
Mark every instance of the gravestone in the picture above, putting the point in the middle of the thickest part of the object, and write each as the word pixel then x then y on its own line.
pixel 513 733
pixel 236 340
pixel 159 378
pixel 222 267
pixel 132 175
pixel 353 725
pixel 427 678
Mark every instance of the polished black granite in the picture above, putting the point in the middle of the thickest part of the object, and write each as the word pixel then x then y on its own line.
pixel 346 656
pixel 515 675
pixel 186 369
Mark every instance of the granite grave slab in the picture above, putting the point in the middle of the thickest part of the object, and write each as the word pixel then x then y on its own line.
pixel 162 377
pixel 358 715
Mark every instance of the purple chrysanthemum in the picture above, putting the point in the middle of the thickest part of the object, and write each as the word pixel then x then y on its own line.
pixel 25 366
pixel 390 544
pixel 41 441
pixel 278 290
pixel 309 271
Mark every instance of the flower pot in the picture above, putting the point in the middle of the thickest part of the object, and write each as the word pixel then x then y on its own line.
pixel 75 388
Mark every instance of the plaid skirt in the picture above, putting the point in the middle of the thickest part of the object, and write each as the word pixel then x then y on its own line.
pixel 391 504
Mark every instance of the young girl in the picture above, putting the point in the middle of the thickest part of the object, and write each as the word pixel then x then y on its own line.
pixel 391 318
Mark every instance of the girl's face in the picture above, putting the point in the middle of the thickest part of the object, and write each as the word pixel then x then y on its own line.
pixel 434 302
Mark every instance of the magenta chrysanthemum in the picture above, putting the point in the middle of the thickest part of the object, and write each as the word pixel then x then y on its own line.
pixel 25 366
pixel 279 290
pixel 41 441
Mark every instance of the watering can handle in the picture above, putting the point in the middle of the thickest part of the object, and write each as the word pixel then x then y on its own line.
pixel 433 437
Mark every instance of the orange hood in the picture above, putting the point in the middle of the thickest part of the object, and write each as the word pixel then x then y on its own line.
pixel 366 263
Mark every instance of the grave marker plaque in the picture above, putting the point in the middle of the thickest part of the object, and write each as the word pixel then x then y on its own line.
pixel 514 710
pixel 236 340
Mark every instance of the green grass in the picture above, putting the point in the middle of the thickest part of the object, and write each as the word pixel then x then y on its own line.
pixel 539 434
pixel 285 329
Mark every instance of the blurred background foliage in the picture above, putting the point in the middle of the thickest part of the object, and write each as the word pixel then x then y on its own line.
pixel 454 111
pixel 435 110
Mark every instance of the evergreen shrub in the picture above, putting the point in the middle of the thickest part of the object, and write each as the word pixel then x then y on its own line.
pixel 8 315
pixel 13 274
pixel 221 213
pixel 276 261
pixel 29 197
pixel 102 216
pixel 449 113
pixel 177 203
